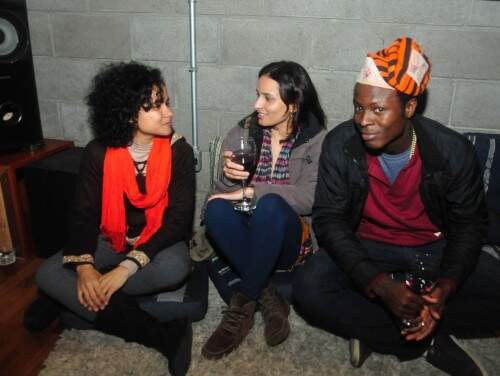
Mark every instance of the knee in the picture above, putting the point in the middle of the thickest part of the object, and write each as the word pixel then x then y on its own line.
pixel 272 206
pixel 47 272
pixel 271 201
pixel 167 271
pixel 216 209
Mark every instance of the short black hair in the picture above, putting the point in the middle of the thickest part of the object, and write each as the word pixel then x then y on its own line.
pixel 117 94
pixel 404 99
pixel 296 88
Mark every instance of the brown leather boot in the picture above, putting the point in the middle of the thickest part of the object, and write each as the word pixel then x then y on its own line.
pixel 233 328
pixel 275 310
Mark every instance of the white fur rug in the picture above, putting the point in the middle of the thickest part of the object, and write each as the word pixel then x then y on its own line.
pixel 308 351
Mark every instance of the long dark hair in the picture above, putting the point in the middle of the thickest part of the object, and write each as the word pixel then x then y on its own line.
pixel 296 88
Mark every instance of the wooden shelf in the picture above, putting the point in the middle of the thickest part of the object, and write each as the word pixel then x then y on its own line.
pixel 14 228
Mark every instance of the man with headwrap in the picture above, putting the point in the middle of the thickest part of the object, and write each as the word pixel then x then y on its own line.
pixel 393 187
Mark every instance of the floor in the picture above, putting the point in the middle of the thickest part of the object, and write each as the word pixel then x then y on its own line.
pixel 21 353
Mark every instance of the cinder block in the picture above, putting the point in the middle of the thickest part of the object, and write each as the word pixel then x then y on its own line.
pixel 343 45
pixel 207 126
pixel 56 5
pixel 91 36
pixel 123 5
pixel 203 177
pixel 74 117
pixel 333 121
pixel 439 94
pixel 336 91
pixel 228 120
pixel 477 105
pixel 39 33
pixel 437 12
pixel 485 13
pixel 251 42
pixel 172 7
pixel 226 7
pixel 64 79
pixel 167 38
pixel 459 53
pixel 49 115
pixel 225 88
pixel 339 9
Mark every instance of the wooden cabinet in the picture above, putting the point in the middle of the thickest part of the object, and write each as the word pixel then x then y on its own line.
pixel 14 211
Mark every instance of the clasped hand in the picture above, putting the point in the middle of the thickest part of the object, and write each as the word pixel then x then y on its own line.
pixel 405 304
pixel 95 289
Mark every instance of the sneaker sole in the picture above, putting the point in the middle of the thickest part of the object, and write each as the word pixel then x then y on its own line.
pixel 355 353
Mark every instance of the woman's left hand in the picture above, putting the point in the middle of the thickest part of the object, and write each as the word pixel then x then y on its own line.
pixel 113 280
pixel 235 195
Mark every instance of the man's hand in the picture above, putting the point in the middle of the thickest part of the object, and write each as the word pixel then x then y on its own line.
pixel 434 303
pixel 400 300
pixel 113 280
pixel 436 298
pixel 427 325
pixel 89 290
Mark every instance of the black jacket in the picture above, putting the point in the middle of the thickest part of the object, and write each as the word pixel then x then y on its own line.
pixel 451 189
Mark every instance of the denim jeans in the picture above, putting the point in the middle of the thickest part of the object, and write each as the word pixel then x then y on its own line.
pixel 255 245
pixel 326 297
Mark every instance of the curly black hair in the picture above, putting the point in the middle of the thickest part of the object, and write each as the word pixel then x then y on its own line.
pixel 117 94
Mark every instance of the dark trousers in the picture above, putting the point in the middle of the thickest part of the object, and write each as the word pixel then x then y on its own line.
pixel 255 245
pixel 326 297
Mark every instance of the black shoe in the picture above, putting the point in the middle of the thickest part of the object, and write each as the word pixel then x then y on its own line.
pixel 123 318
pixel 358 352
pixel 41 313
pixel 179 361
pixel 449 356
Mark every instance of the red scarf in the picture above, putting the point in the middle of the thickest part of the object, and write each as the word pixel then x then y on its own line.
pixel 119 178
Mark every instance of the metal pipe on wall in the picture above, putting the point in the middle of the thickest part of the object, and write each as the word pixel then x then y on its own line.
pixel 193 69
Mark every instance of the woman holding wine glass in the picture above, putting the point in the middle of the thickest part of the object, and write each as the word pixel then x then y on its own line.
pixel 258 215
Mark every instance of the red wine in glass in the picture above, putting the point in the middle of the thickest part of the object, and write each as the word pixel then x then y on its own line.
pixel 244 153
pixel 244 158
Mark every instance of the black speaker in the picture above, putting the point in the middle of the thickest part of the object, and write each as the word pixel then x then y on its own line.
pixel 50 185
pixel 20 124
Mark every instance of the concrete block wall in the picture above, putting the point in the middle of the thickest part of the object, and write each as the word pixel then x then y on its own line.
pixel 72 38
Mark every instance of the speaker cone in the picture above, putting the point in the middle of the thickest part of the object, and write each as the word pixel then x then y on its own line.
pixel 13 37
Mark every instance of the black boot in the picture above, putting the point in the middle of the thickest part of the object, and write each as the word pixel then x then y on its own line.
pixel 125 319
pixel 41 313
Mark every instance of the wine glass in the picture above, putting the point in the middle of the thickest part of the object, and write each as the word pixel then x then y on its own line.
pixel 244 153
pixel 421 279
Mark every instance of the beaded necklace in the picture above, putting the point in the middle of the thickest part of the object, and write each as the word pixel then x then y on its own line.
pixel 413 142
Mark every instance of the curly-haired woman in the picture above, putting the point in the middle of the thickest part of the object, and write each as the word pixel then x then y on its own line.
pixel 131 218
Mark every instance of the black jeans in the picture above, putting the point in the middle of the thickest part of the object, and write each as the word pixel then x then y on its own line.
pixel 326 297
